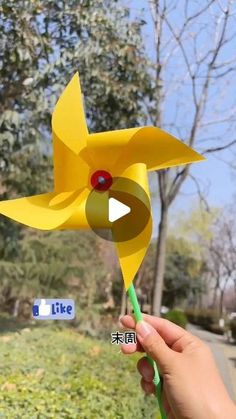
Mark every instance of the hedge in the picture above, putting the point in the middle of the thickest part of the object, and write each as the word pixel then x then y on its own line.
pixel 178 317
pixel 206 318
pixel 233 328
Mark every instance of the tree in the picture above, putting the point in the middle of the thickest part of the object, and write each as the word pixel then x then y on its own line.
pixel 42 45
pixel 211 237
pixel 54 264
pixel 222 257
pixel 192 76
pixel 183 276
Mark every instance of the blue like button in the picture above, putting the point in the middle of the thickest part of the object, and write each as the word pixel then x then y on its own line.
pixel 53 309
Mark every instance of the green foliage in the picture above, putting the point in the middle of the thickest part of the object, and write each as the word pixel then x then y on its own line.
pixel 178 317
pixel 206 318
pixel 196 226
pixel 48 373
pixel 54 264
pixel 182 275
pixel 42 45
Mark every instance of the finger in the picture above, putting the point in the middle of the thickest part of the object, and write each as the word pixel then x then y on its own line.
pixel 128 349
pixel 131 348
pixel 145 369
pixel 175 336
pixel 128 322
pixel 155 346
pixel 149 388
pixel 170 332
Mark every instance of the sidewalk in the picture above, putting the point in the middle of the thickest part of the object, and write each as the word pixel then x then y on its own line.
pixel 224 354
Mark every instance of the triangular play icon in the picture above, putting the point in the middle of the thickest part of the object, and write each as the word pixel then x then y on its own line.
pixel 117 210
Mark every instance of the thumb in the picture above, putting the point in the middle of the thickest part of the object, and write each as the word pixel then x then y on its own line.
pixel 154 345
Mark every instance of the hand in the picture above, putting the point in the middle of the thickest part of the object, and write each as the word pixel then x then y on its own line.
pixel 192 386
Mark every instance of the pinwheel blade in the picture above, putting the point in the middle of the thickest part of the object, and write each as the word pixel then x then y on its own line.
pixel 131 252
pixel 68 119
pixel 70 136
pixel 44 211
pixel 158 150
pixel 149 145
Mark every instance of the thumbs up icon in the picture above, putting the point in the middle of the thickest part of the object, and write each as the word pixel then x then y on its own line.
pixel 44 309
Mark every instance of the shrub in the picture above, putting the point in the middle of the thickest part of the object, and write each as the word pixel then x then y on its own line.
pixel 50 373
pixel 178 317
pixel 233 328
pixel 191 316
pixel 205 318
pixel 215 328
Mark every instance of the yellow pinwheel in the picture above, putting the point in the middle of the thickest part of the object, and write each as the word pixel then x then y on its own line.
pixel 83 160
pixel 96 165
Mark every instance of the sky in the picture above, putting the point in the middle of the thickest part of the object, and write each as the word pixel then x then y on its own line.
pixel 215 177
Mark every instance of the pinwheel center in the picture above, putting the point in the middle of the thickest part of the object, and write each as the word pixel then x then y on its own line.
pixel 101 180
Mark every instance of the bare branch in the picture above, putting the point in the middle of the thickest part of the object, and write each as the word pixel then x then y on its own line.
pixel 200 194
pixel 175 188
pixel 220 148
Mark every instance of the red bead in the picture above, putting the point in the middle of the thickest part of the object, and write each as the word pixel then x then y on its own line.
pixel 101 180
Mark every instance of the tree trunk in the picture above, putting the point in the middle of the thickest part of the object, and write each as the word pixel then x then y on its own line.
pixel 16 308
pixel 221 302
pixel 214 298
pixel 160 261
pixel 123 302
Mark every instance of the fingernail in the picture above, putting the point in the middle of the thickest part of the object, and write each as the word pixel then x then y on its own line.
pixel 143 329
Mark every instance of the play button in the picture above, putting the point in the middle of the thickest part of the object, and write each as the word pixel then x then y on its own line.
pixel 117 210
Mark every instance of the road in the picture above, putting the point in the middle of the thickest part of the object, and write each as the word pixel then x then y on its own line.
pixel 224 354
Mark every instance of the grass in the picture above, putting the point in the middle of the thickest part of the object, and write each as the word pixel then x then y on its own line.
pixel 48 372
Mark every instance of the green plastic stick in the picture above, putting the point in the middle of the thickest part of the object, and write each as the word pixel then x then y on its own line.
pixel 138 317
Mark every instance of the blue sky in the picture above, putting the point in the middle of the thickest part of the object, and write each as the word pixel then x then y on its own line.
pixel 216 178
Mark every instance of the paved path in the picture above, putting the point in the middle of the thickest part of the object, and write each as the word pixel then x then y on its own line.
pixel 224 354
